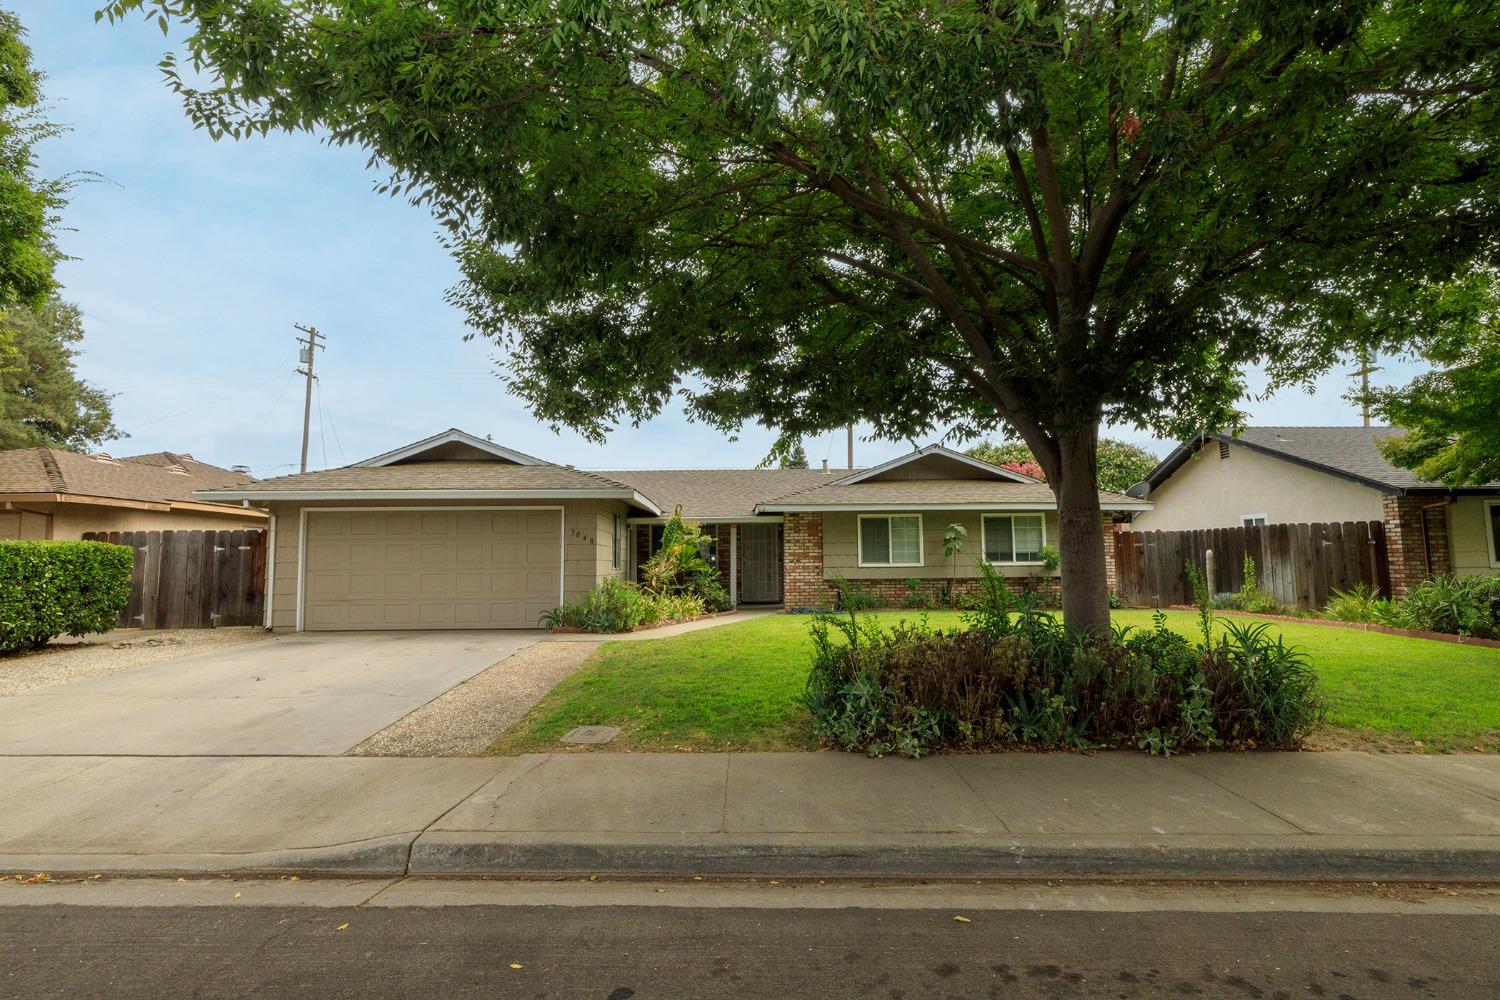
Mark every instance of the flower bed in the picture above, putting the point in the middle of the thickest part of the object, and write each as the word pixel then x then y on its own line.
pixel 1016 675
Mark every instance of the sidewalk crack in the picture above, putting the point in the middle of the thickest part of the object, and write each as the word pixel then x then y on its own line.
pixel 1248 801
pixel 1004 826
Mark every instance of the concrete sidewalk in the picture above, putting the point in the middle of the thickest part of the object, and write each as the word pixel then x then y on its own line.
pixel 1312 815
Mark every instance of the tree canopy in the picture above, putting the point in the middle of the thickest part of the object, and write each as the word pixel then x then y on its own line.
pixel 1452 413
pixel 42 399
pixel 1121 464
pixel 29 204
pixel 794 457
pixel 1027 216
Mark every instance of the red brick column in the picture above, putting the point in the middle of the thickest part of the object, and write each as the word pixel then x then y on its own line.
pixel 1411 560
pixel 1109 550
pixel 802 562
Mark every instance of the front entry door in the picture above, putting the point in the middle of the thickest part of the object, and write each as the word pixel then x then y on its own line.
pixel 760 564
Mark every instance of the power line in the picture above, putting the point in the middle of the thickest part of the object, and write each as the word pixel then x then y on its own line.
pixel 191 409
pixel 333 426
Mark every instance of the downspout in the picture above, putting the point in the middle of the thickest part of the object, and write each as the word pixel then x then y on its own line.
pixel 1426 536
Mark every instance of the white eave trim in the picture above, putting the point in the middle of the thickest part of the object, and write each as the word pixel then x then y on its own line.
pixel 934 449
pixel 997 507
pixel 448 437
pixel 305 495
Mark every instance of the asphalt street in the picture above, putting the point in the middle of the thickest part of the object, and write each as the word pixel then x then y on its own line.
pixel 867 944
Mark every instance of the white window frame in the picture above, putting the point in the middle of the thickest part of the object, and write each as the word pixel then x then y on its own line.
pixel 1490 533
pixel 984 539
pixel 1248 520
pixel 616 559
pixel 859 539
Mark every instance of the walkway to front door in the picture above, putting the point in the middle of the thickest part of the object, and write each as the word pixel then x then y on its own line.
pixel 760 563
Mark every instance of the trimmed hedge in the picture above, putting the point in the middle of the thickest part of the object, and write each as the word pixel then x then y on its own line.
pixel 49 589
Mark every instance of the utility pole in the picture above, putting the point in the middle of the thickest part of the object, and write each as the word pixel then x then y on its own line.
pixel 851 446
pixel 1365 368
pixel 309 351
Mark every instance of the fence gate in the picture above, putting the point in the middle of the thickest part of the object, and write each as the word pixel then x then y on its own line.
pixel 1302 564
pixel 193 579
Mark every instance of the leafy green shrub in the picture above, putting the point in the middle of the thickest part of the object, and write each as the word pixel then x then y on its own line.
pixel 678 567
pixel 852 595
pixel 49 589
pixel 1051 558
pixel 1017 675
pixel 1459 606
pixel 616 606
pixel 915 596
pixel 1357 604
pixel 1252 597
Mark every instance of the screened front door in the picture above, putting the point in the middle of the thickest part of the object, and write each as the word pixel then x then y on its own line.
pixel 760 563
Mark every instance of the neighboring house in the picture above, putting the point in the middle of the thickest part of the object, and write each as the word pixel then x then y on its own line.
pixel 52 493
pixel 1294 475
pixel 455 531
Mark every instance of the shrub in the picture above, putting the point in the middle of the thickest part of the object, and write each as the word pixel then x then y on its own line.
pixel 616 606
pixel 1017 675
pixel 678 567
pixel 915 596
pixel 1459 606
pixel 1357 604
pixel 49 589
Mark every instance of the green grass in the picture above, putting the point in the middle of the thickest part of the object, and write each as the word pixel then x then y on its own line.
pixel 739 687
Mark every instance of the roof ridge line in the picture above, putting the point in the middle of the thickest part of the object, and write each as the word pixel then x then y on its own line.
pixel 53 471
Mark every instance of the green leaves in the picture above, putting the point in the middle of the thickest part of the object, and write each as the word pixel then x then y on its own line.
pixel 1452 413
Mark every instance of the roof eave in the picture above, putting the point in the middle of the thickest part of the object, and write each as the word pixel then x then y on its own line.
pixel 632 496
pixel 999 507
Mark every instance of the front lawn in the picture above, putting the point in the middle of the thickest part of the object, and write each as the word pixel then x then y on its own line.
pixel 739 687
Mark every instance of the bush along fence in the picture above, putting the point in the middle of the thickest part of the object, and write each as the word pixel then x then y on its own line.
pixel 193 579
pixel 49 589
pixel 1301 565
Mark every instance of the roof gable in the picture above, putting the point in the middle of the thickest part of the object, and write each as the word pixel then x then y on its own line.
pixel 934 462
pixel 452 445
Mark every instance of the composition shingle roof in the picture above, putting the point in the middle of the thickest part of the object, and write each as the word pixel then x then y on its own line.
pixel 162 477
pixel 1351 452
pixel 442 476
pixel 720 493
pixel 929 492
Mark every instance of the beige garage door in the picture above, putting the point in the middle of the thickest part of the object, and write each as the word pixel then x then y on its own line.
pixel 431 568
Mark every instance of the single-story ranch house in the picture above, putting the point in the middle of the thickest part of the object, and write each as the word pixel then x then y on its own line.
pixel 51 493
pixel 1308 475
pixel 455 531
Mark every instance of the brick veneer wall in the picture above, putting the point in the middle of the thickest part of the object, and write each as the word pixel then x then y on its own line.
pixel 805 587
pixel 1110 528
pixel 802 561
pixel 1412 562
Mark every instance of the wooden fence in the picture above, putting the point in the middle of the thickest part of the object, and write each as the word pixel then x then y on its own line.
pixel 1300 563
pixel 193 579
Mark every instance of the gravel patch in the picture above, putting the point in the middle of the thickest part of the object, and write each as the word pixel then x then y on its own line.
pixel 69 659
pixel 464 720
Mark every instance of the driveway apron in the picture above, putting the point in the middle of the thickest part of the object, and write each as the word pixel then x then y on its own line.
pixel 310 693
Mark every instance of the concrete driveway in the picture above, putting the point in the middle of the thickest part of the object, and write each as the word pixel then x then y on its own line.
pixel 310 693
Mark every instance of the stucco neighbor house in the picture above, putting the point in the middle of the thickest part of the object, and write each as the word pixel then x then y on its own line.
pixel 456 531
pixel 50 493
pixel 1295 475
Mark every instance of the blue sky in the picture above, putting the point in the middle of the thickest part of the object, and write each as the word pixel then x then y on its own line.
pixel 194 259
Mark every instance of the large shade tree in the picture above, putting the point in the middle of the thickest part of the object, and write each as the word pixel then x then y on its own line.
pixel 42 399
pixel 1451 413
pixel 29 202
pixel 970 216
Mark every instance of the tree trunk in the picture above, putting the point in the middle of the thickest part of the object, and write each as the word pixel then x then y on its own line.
pixel 1085 587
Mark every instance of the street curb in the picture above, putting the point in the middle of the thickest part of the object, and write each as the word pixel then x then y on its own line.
pixel 468 854
pixel 380 856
